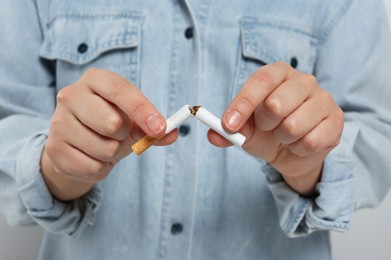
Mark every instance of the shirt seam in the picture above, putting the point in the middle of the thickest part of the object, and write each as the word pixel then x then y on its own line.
pixel 326 32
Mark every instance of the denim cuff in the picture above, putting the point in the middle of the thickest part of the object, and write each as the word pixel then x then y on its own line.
pixel 67 218
pixel 331 209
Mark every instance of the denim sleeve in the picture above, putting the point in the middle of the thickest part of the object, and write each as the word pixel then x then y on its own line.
pixel 354 62
pixel 333 205
pixel 27 101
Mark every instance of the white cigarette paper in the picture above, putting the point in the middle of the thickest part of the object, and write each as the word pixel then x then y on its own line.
pixel 178 118
pixel 172 122
pixel 214 122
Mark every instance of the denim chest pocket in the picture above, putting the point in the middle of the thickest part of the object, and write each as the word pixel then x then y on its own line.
pixel 265 41
pixel 108 39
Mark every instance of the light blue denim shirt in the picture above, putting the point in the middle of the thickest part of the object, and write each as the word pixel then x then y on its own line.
pixel 191 200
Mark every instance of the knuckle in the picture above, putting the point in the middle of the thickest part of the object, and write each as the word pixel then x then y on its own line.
pixel 282 65
pixel 116 88
pixel 327 97
pixel 64 96
pixel 310 143
pixel 95 168
pixel 263 78
pixel 114 124
pixel 111 149
pixel 273 106
pixel 308 82
pixel 248 100
pixel 281 68
pixel 309 79
pixel 291 127
pixel 91 73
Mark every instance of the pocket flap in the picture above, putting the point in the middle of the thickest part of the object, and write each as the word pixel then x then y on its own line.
pixel 79 38
pixel 269 41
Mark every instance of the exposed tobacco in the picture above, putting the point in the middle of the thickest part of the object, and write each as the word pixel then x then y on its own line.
pixel 194 110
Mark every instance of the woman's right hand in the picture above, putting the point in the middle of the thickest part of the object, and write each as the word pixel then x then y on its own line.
pixel 96 121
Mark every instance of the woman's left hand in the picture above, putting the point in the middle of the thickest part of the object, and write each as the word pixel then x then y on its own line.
pixel 289 121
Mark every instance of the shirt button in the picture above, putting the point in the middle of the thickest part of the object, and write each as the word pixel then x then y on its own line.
pixel 189 33
pixel 294 62
pixel 176 228
pixel 82 48
pixel 184 130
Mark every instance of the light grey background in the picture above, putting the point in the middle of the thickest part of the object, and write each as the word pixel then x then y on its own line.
pixel 369 236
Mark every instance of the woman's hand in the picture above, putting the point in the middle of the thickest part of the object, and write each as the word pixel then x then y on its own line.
pixel 289 121
pixel 96 121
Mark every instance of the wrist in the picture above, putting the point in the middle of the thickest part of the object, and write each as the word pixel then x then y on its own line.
pixel 305 184
pixel 62 187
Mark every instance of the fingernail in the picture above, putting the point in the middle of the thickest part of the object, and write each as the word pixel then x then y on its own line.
pixel 234 118
pixel 155 124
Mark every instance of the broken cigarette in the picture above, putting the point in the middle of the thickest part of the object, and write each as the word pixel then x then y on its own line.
pixel 181 116
pixel 172 122
pixel 214 122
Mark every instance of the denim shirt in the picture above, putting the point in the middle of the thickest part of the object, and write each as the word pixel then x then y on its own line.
pixel 191 200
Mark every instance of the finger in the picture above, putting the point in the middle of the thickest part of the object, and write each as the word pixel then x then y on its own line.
pixel 136 132
pixel 95 113
pixel 323 138
pixel 301 121
pixel 128 98
pixel 83 167
pixel 284 100
pixel 91 143
pixel 218 140
pixel 253 93
pixel 168 139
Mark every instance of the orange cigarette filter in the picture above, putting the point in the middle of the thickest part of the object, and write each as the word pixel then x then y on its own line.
pixel 143 144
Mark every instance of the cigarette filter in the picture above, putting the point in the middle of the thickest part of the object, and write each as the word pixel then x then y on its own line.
pixel 214 122
pixel 172 122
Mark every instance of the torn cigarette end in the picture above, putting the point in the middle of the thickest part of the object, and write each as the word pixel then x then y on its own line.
pixel 194 110
pixel 143 144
